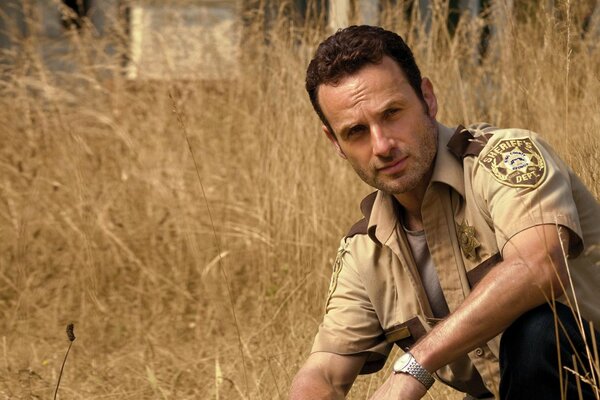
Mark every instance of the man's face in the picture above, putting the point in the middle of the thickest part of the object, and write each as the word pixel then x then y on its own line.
pixel 381 126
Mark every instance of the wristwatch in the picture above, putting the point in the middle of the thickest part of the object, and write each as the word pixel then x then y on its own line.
pixel 407 364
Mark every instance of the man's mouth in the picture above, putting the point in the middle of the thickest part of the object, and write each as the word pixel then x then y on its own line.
pixel 394 167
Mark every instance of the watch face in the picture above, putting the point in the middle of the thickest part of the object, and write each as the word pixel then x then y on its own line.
pixel 402 362
pixel 407 364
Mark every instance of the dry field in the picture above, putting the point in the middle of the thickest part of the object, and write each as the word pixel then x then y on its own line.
pixel 207 280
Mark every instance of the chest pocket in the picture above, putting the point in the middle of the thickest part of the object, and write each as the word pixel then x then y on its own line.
pixel 477 241
pixel 474 229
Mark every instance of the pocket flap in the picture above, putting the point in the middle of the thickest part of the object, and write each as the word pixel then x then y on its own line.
pixel 407 333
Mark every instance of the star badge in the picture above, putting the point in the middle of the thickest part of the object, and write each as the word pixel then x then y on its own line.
pixel 468 241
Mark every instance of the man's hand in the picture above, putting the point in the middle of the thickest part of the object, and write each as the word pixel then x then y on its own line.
pixel 400 387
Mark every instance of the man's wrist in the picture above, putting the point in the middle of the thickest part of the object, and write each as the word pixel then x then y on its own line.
pixel 407 364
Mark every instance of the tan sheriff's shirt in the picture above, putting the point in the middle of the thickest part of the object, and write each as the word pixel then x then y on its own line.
pixel 488 184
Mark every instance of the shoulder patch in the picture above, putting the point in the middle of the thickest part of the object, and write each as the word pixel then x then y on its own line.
pixel 516 163
pixel 337 268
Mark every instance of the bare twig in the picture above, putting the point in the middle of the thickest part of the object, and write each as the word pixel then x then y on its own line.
pixel 71 336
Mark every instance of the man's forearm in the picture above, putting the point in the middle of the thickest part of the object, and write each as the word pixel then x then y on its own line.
pixel 509 290
pixel 309 384
pixel 326 376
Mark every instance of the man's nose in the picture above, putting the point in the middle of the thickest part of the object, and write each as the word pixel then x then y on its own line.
pixel 381 141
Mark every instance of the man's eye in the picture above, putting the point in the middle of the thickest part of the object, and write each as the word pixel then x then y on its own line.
pixel 356 130
pixel 391 112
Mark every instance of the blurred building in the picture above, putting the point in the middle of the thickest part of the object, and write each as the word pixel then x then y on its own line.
pixel 199 39
pixel 182 39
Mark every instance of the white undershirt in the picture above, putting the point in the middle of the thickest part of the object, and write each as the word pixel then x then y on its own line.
pixel 429 277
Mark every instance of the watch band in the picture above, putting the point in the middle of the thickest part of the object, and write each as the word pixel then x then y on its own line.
pixel 408 365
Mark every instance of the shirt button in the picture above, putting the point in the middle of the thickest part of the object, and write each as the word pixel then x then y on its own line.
pixel 479 352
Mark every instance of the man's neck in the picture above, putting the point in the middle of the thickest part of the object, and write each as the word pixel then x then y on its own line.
pixel 411 212
pixel 411 203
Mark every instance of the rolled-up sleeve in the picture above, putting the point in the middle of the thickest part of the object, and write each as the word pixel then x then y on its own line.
pixel 547 200
pixel 350 325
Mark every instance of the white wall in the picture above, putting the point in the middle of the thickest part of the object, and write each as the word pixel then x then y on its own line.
pixel 183 41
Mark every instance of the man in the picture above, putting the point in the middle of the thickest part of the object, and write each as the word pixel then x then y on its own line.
pixel 464 239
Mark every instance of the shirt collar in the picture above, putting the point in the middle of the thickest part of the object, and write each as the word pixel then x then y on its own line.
pixel 448 169
pixel 381 210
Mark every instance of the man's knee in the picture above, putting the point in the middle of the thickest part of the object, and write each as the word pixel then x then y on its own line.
pixel 529 347
pixel 532 332
pixel 529 354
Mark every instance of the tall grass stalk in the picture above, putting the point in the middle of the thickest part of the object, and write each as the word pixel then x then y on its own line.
pixel 217 242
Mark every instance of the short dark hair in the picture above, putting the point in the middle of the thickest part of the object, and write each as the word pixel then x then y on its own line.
pixel 350 49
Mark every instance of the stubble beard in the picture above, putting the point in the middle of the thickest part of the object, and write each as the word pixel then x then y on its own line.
pixel 420 164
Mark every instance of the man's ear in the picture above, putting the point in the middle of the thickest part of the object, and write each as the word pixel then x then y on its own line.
pixel 333 140
pixel 429 95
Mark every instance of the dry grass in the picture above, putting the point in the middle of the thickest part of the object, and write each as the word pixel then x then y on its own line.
pixel 103 221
